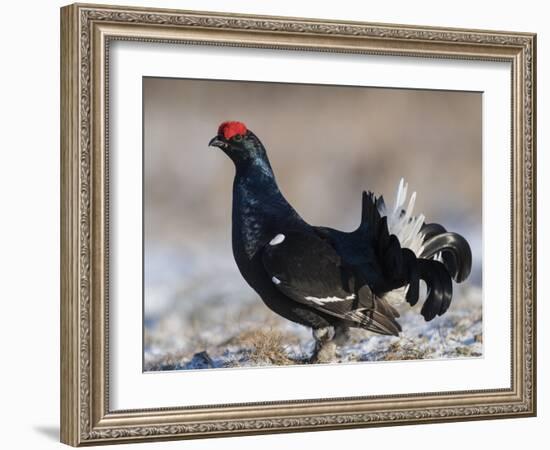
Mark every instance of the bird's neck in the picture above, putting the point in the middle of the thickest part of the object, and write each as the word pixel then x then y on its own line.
pixel 257 177
pixel 259 209
pixel 255 194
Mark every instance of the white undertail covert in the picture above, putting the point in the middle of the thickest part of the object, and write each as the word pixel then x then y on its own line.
pixel 403 224
pixel 401 220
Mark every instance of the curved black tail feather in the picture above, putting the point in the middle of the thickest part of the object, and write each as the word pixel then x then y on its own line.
pixel 440 288
pixel 401 266
pixel 454 249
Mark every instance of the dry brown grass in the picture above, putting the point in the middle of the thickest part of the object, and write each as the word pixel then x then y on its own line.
pixel 265 346
pixel 402 351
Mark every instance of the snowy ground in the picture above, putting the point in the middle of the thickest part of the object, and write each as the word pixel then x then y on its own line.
pixel 198 324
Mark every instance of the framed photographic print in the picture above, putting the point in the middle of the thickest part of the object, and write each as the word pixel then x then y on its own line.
pixel 275 225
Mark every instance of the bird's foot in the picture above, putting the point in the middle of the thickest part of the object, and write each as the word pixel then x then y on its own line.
pixel 324 354
pixel 325 348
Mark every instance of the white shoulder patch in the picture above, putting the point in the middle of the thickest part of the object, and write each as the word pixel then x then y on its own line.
pixel 277 239
pixel 276 280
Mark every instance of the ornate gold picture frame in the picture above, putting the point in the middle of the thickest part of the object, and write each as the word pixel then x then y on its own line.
pixel 87 32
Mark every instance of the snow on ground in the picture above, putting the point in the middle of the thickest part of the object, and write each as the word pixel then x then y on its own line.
pixel 204 323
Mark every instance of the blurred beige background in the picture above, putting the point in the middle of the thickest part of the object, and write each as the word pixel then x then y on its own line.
pixel 326 145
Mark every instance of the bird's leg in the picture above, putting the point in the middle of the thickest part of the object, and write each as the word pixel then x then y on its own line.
pixel 341 335
pixel 325 348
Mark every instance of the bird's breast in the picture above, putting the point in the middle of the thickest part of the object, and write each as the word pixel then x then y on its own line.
pixel 259 213
pixel 249 231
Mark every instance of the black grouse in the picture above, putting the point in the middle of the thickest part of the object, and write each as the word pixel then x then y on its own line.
pixel 330 280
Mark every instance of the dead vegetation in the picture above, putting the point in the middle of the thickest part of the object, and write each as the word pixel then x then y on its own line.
pixel 266 347
pixel 217 335
pixel 405 350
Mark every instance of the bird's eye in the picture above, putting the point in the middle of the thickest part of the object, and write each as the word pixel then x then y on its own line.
pixel 238 137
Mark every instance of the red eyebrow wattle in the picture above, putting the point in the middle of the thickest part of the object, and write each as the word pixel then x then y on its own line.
pixel 230 129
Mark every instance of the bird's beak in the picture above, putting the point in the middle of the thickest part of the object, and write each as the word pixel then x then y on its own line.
pixel 217 142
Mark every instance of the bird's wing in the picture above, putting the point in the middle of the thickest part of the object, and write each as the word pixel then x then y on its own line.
pixel 307 269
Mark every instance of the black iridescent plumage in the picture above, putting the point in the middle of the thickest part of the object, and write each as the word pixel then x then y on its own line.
pixel 325 278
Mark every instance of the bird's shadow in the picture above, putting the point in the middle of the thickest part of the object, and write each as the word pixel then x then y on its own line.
pixel 51 432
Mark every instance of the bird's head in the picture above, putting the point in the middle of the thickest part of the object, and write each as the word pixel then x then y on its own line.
pixel 238 142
